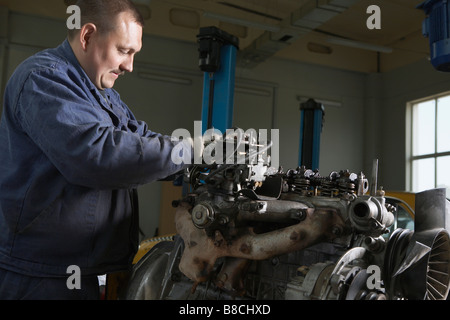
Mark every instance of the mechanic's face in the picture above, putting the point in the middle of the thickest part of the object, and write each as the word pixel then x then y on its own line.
pixel 112 54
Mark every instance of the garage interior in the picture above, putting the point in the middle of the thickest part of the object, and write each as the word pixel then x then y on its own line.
pixel 289 50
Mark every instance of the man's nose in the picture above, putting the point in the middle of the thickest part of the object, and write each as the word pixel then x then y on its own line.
pixel 127 65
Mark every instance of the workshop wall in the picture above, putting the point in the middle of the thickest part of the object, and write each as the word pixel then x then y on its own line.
pixel 365 120
pixel 341 141
pixel 398 87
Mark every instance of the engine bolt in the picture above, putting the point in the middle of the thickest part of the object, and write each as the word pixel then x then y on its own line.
pixel 336 230
pixel 198 214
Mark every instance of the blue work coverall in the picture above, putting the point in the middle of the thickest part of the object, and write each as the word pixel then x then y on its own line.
pixel 71 158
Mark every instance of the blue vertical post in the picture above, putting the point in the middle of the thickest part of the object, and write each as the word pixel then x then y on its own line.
pixel 311 123
pixel 218 51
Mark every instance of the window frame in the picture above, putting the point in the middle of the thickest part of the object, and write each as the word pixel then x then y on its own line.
pixel 410 158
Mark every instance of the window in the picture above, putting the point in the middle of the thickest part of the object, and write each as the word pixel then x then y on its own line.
pixel 429 144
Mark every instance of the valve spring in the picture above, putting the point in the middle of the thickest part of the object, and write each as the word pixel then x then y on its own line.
pixel 347 187
pixel 301 185
pixel 329 189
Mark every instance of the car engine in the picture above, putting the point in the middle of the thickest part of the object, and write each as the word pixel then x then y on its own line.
pixel 248 231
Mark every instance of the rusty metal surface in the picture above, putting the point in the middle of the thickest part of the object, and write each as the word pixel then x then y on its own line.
pixel 201 251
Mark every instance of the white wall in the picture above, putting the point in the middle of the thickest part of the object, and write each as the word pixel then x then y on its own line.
pixel 353 133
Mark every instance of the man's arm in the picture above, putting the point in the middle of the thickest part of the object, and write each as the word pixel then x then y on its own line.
pixel 80 139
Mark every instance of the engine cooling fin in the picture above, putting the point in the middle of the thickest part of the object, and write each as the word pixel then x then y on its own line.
pixel 438 277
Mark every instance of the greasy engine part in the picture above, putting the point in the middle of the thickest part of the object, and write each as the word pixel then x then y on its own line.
pixel 148 274
pixel 237 221
pixel 417 264
pixel 247 231
pixel 201 251
pixel 345 280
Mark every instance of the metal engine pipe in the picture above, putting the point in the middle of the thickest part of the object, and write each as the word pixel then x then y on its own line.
pixel 201 251
pixel 272 210
pixel 365 210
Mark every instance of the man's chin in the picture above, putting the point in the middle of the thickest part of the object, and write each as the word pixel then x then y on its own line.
pixel 108 85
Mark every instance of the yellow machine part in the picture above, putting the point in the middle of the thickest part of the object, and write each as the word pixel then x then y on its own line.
pixel 408 197
pixel 147 244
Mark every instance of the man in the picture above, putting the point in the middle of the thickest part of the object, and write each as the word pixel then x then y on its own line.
pixel 71 156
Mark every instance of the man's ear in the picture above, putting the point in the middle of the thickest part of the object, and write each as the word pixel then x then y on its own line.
pixel 86 33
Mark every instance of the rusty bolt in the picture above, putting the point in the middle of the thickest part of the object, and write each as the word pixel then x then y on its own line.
pixel 336 230
pixel 302 214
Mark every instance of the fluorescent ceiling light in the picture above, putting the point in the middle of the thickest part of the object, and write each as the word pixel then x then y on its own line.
pixel 241 22
pixel 326 103
pixel 253 91
pixel 358 45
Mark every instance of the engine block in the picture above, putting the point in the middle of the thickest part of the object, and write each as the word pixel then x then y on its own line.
pixel 248 231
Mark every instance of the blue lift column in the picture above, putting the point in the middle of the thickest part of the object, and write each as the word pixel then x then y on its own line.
pixel 311 123
pixel 217 51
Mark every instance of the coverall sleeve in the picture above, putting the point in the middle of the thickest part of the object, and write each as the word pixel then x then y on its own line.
pixel 81 141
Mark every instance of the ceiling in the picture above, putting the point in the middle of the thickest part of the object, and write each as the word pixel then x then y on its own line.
pixel 300 30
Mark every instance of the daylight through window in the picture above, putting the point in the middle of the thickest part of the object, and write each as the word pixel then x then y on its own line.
pixel 429 144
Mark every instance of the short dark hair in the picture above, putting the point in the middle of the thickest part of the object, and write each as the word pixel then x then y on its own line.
pixel 103 12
